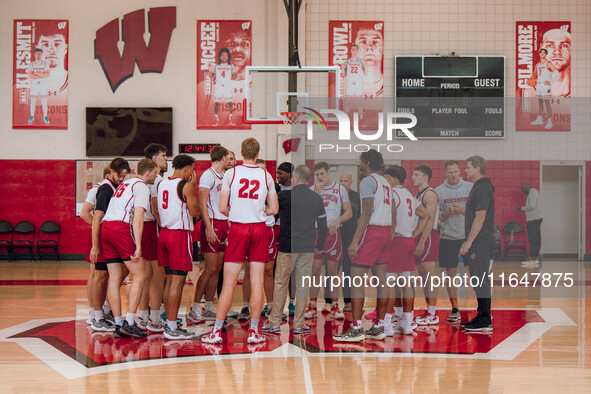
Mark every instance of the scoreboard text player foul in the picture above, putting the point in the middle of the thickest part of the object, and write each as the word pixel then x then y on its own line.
pixel 452 96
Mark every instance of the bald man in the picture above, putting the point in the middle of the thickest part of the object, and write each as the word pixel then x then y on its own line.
pixel 347 231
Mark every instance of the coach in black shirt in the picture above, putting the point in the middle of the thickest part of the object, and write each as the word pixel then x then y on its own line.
pixel 480 239
pixel 296 246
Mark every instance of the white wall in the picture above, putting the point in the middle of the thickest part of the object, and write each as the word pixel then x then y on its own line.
pixel 470 27
pixel 175 87
pixel 412 27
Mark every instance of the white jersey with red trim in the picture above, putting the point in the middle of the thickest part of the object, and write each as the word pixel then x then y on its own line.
pixel 333 196
pixel 173 211
pixel 38 85
pixel 91 195
pixel 406 207
pixel 354 73
pixel 149 214
pixel 212 180
pixel 376 187
pixel 130 194
pixel 248 186
pixel 419 197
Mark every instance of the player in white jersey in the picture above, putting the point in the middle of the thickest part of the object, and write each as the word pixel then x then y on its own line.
pixel 86 213
pixel 546 73
pixel 177 206
pixel 245 189
pixel 223 72
pixel 336 200
pixel 371 238
pixel 353 70
pixel 401 250
pixel 121 238
pixel 38 73
pixel 118 170
pixel 150 304
pixel 214 235
pixel 427 249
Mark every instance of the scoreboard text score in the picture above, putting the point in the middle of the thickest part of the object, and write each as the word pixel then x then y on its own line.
pixel 452 96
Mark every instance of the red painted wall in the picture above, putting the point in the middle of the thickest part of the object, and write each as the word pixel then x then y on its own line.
pixel 38 191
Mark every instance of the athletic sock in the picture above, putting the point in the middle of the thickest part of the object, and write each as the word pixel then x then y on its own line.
pixel 269 305
pixel 431 309
pixel 357 324
pixel 313 303
pixel 154 315
pixel 119 320
pixel 172 326
pixel 388 318
pixel 161 308
pixel 143 314
pixel 99 315
pixel 378 323
pixel 196 306
pixel 245 305
pixel 398 311
pixel 406 317
pixel 218 324
pixel 107 307
pixel 130 317
pixel 254 324
pixel 208 305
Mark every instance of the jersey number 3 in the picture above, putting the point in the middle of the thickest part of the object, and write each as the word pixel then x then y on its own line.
pixel 252 193
pixel 386 195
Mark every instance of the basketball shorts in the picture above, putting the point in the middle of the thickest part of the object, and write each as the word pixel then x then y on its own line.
pixel 247 239
pixel 222 92
pixel 333 247
pixel 543 90
pixel 374 240
pixel 38 91
pixel 175 250
pixel 150 241
pixel 431 250
pixel 449 251
pixel 117 241
pixel 399 255
pixel 101 259
pixel 273 236
pixel 220 229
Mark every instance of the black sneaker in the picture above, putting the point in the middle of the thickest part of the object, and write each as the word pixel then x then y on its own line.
pixel 118 333
pixel 481 325
pixel 132 330
pixel 244 314
pixel 471 322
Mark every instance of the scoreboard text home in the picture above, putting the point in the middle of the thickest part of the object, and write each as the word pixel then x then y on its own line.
pixel 452 96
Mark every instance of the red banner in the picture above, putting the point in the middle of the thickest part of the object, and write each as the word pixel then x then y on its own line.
pixel 224 49
pixel 543 69
pixel 358 48
pixel 40 74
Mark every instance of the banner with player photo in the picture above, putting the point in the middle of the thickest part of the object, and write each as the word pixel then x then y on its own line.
pixel 358 48
pixel 40 74
pixel 224 49
pixel 543 73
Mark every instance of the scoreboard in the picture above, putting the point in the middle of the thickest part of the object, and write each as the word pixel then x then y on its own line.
pixel 452 96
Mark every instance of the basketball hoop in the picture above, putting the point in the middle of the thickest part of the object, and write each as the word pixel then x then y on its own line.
pixel 290 117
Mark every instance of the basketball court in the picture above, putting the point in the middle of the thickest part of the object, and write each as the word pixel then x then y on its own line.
pixel 440 81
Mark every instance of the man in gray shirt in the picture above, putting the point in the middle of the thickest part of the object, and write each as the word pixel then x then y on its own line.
pixel 452 194
pixel 533 215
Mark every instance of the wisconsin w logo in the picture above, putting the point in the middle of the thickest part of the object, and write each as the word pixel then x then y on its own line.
pixel 117 68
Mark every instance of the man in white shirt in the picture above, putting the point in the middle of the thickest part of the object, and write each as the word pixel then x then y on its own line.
pixel 533 215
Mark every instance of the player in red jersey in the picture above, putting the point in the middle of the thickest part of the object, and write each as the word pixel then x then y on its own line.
pixel 371 238
pixel 177 206
pixel 121 238
pixel 427 251
pixel 214 235
pixel 336 199
pixel 119 168
pixel 245 189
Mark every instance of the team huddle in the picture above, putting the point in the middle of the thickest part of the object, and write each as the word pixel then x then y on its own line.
pixel 142 227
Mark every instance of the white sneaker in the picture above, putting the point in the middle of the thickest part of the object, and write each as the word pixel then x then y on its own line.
pixel 155 326
pixel 179 333
pixel 539 120
pixel 195 316
pixel 536 262
pixel 254 337
pixel 215 336
pixel 141 323
pixel 208 314
pixel 336 313
pixel 427 319
pixel 396 318
pixel 529 262
pixel 549 124
pixel 389 329
pixel 404 328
